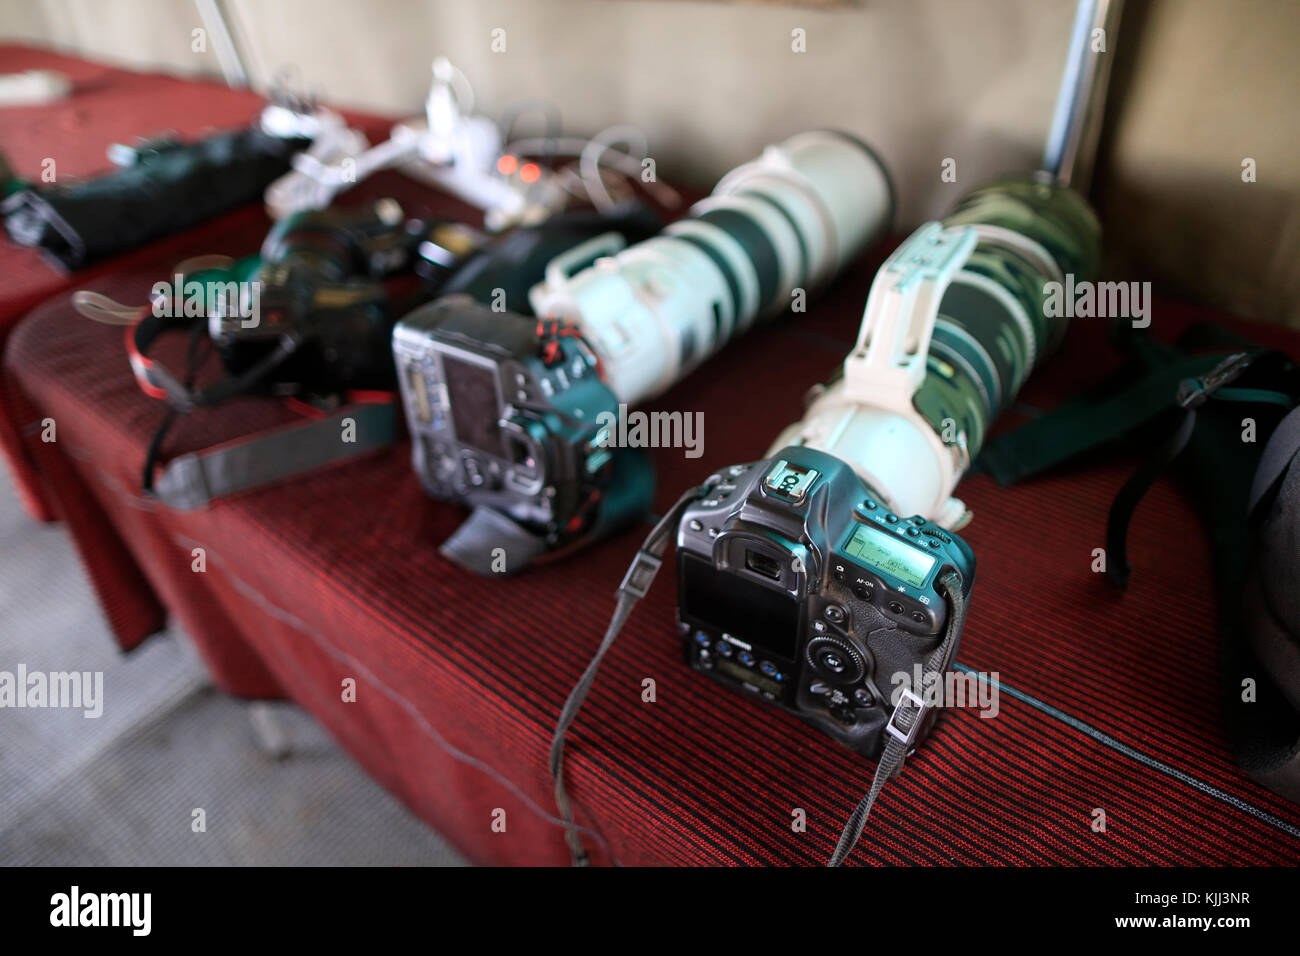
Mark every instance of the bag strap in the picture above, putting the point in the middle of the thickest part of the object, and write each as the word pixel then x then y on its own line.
pixel 1266 732
pixel 1192 394
pixel 1279 455
pixel 1083 424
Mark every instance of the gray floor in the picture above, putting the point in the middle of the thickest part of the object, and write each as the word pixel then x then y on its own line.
pixel 123 788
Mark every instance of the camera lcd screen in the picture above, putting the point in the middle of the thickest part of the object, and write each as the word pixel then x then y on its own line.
pixel 743 674
pixel 472 392
pixel 882 550
pixel 757 615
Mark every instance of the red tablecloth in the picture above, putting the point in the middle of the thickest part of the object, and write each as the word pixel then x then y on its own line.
pixel 460 679
pixel 107 105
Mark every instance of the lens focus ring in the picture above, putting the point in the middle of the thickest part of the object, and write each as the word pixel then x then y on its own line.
pixel 836 659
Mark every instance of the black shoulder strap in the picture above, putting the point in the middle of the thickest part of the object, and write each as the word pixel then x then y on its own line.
pixel 1084 423
pixel 1192 393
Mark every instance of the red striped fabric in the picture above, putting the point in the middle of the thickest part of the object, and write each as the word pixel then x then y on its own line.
pixel 460 680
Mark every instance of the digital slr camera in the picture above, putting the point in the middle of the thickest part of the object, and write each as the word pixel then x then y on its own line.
pixel 504 412
pixel 796 585
pixel 319 295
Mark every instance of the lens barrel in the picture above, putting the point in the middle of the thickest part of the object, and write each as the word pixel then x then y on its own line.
pixel 911 442
pixel 992 328
pixel 789 220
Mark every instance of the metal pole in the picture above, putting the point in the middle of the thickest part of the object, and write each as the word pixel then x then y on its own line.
pixel 1071 150
pixel 213 15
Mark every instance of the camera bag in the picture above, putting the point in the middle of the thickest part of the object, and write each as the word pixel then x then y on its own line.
pixel 1194 402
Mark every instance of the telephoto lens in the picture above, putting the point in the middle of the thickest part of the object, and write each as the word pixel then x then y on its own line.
pixel 912 441
pixel 775 228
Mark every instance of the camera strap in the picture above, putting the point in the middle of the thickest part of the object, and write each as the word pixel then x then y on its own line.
pixel 905 723
pixel 635 584
pixel 156 381
pixel 195 479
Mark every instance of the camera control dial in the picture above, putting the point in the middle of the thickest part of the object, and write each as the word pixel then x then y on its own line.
pixel 835 658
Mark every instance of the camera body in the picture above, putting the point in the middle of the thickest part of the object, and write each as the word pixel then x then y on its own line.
pixel 796 584
pixel 319 281
pixel 505 414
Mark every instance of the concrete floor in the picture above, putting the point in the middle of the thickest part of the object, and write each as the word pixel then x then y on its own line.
pixel 123 788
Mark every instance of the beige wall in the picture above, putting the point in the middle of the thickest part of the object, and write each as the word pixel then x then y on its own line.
pixel 1200 84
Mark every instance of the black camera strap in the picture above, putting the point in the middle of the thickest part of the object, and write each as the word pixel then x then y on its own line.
pixel 157 382
pixel 905 723
pixel 486 532
pixel 635 584
pixel 195 479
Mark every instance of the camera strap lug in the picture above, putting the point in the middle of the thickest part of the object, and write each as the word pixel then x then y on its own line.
pixel 899 729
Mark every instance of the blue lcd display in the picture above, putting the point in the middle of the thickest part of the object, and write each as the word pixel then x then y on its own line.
pixel 880 549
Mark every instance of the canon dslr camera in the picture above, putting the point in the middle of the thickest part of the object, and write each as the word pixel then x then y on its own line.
pixel 505 413
pixel 798 586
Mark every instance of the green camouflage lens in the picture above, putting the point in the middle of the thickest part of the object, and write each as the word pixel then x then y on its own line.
pixel 992 327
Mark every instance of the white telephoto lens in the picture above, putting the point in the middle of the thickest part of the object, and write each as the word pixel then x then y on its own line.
pixel 787 221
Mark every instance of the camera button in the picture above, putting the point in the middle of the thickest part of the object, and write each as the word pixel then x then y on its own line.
pixel 695 525
pixel 745 658
pixel 835 614
pixel 472 472
pixel 723 648
pixel 913 533
pixel 863 591
pixel 919 618
pixel 863 697
pixel 702 639
pixel 768 668
pixel 891 518
pixel 895 607
pixel 934 544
